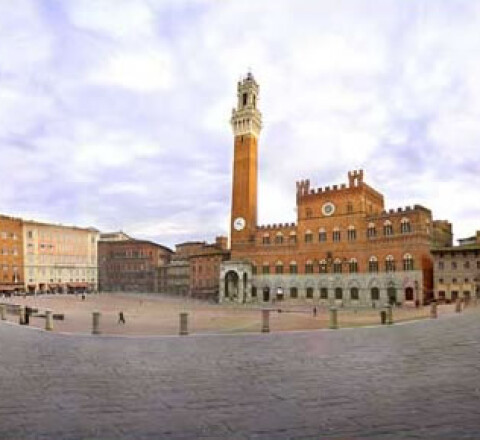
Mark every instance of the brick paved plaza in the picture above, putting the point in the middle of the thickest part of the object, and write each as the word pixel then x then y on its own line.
pixel 419 380
pixel 159 315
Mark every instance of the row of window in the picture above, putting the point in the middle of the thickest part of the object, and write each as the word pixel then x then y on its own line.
pixel 13 251
pixel 61 237
pixel 130 254
pixel 5 235
pixel 338 266
pixel 454 265
pixel 405 228
pixel 454 280
pixel 337 293
pixel 5 268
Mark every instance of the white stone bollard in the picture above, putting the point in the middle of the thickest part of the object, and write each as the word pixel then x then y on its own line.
pixel 458 305
pixel 433 310
pixel 389 314
pixel 333 318
pixel 21 315
pixel 265 321
pixel 96 323
pixel 183 324
pixel 48 320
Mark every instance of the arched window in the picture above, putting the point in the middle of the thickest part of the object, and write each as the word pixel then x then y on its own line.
pixel 324 293
pixel 309 266
pixel 337 266
pixel 338 293
pixel 387 228
pixel 278 267
pixel 353 265
pixel 309 292
pixel 375 293
pixel 266 239
pixel 322 266
pixel 407 262
pixel 293 267
pixel 279 238
pixel 351 233
pixel 266 268
pixel 308 236
pixel 373 264
pixel 308 213
pixel 292 238
pixel 389 264
pixel 336 234
pixel 322 235
pixel 405 226
pixel 354 294
pixel 371 230
pixel 293 292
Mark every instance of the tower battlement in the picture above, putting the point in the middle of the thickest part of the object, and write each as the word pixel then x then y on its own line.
pixel 355 180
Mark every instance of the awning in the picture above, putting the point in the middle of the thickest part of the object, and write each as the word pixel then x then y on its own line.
pixel 77 285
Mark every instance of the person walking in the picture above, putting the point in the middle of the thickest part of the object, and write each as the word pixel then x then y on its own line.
pixel 315 311
pixel 121 318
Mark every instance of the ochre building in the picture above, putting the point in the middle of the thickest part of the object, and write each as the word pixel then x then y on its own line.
pixel 11 255
pixel 345 247
pixel 58 258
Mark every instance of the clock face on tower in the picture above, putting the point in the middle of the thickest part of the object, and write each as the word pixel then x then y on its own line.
pixel 239 223
pixel 328 208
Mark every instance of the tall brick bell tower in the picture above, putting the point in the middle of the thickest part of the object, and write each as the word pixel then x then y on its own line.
pixel 246 124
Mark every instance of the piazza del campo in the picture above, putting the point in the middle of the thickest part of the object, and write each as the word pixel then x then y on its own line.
pixel 356 320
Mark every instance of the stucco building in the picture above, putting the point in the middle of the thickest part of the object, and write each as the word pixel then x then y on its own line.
pixel 11 255
pixel 59 258
pixel 130 265
pixel 457 270
pixel 344 248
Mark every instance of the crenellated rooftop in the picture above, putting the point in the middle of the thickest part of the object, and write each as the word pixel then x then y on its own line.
pixel 355 180
pixel 277 226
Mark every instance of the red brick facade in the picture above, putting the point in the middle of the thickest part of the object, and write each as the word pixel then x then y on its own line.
pixel 130 265
pixel 11 255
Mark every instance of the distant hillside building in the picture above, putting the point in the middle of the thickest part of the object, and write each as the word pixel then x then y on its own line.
pixel 345 247
pixel 130 265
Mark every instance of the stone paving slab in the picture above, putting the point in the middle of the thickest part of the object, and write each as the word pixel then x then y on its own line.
pixel 415 381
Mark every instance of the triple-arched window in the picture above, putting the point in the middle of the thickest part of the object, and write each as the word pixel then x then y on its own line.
pixel 337 266
pixel 373 264
pixel 353 265
pixel 351 233
pixel 407 262
pixel 405 226
pixel 389 264
pixel 387 228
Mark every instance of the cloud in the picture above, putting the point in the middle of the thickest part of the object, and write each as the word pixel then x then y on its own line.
pixel 115 113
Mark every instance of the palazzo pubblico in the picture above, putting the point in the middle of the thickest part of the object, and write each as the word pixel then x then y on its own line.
pixel 345 247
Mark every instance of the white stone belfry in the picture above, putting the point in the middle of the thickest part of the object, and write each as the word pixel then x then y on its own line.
pixel 246 118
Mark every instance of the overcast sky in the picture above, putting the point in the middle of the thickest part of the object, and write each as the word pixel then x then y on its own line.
pixel 115 113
